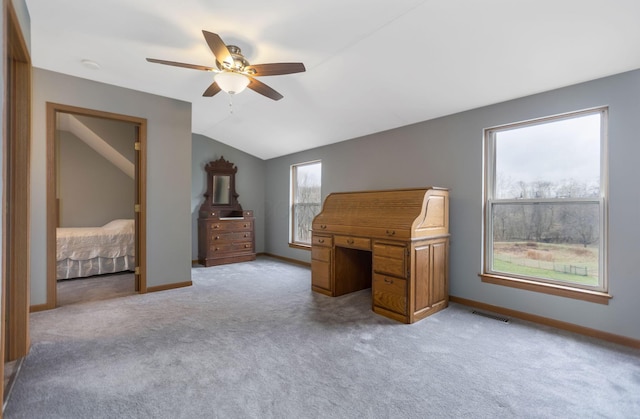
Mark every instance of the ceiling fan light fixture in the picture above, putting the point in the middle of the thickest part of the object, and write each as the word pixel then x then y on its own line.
pixel 231 82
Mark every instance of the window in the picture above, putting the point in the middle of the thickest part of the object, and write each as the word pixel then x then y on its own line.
pixel 305 200
pixel 545 202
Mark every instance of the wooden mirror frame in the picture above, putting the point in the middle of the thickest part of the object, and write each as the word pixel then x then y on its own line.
pixel 220 167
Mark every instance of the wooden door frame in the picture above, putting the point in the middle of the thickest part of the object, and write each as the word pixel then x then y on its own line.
pixel 52 210
pixel 16 154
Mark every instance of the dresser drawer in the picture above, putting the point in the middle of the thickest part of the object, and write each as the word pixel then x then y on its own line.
pixel 321 240
pixel 389 293
pixel 232 226
pixel 230 247
pixel 221 236
pixel 247 247
pixel 353 242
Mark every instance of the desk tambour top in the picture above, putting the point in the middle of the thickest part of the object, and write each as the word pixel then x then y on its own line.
pixel 404 214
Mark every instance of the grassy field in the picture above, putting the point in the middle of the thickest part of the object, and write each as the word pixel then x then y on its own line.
pixel 548 261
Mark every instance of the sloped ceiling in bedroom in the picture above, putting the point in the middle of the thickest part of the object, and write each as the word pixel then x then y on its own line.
pixel 371 65
pixel 68 122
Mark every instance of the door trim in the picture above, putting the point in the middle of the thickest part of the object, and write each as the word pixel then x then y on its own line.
pixel 16 147
pixel 52 210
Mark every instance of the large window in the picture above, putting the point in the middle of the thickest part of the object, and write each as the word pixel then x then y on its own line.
pixel 545 202
pixel 305 200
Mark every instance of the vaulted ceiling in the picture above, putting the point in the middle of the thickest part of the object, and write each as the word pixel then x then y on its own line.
pixel 372 65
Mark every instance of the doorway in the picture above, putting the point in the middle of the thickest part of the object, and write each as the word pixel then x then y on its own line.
pixel 81 122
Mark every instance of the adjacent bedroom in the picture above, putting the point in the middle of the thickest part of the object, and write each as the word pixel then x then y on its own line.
pixel 95 195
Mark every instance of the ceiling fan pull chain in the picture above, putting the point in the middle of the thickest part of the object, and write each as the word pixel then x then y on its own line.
pixel 230 104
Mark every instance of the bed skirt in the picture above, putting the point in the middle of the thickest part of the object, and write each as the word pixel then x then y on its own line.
pixel 68 268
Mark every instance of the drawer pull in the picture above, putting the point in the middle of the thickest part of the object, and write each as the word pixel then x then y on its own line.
pixel 320 240
pixel 388 281
pixel 350 241
pixel 216 238
pixel 391 232
pixel 246 246
pixel 216 226
pixel 217 248
pixel 246 225
pixel 323 226
pixel 246 235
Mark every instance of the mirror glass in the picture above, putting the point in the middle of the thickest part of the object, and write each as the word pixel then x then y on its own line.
pixel 221 185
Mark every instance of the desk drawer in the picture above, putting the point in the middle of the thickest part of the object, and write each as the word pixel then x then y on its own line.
pixel 353 242
pixel 320 240
pixel 390 259
pixel 390 293
pixel 321 253
pixel 321 274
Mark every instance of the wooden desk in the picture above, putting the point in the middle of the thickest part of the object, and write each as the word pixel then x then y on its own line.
pixel 396 242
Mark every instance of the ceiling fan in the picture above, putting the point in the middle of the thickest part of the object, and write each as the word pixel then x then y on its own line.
pixel 233 71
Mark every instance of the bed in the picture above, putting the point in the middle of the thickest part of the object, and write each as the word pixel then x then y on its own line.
pixel 88 251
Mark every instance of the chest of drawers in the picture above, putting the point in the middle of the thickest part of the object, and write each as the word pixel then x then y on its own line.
pixel 226 239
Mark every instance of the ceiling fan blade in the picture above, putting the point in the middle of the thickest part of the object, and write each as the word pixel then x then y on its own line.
pixel 177 64
pixel 218 47
pixel 274 69
pixel 263 89
pixel 212 90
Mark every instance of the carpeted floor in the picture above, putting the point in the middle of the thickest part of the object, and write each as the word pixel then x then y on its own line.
pixel 251 340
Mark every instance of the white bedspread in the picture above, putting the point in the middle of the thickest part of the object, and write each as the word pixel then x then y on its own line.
pixel 113 239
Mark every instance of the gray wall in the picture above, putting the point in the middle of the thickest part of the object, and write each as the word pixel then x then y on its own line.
pixel 91 190
pixel 250 183
pixel 168 171
pixel 448 152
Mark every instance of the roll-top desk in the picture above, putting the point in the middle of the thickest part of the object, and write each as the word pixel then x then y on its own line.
pixel 396 242
pixel 225 230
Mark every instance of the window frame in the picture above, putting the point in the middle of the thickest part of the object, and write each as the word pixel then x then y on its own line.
pixel 292 203
pixel 599 293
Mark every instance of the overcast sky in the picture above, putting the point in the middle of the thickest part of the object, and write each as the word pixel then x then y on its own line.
pixel 312 172
pixel 557 151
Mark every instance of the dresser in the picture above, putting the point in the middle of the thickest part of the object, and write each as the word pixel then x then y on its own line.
pixel 226 232
pixel 226 239
pixel 395 242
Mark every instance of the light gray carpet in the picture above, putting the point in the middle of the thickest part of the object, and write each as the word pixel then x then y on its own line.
pixel 251 340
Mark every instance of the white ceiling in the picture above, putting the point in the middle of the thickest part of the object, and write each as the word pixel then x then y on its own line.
pixel 372 65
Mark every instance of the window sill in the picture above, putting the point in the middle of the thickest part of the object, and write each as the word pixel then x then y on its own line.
pixel 300 246
pixel 559 290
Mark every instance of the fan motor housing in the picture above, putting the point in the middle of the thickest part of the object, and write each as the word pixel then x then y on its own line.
pixel 239 62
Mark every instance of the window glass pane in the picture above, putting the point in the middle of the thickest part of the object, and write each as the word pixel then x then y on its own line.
pixel 308 182
pixel 545 197
pixel 558 242
pixel 558 159
pixel 306 199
